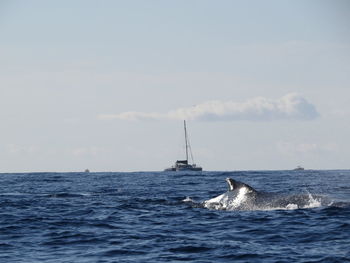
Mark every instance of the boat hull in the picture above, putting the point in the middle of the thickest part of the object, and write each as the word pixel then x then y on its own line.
pixel 170 169
pixel 184 168
pixel 190 169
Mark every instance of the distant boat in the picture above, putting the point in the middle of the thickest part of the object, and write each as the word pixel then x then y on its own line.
pixel 299 168
pixel 184 165
pixel 87 171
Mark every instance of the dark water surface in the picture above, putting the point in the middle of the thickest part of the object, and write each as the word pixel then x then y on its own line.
pixel 141 217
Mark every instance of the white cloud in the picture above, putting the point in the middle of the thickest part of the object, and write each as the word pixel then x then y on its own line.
pixel 86 151
pixel 291 148
pixel 22 149
pixel 340 113
pixel 290 107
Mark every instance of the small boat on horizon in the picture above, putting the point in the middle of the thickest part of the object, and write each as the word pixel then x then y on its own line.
pixel 299 168
pixel 184 165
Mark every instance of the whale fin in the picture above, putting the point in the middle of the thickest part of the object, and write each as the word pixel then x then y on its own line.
pixel 233 185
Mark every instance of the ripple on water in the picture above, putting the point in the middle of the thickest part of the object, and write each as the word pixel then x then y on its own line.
pixel 146 217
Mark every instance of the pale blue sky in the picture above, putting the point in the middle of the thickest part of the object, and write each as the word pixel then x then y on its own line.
pixel 66 64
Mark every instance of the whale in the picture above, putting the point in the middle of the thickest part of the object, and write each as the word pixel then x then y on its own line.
pixel 241 196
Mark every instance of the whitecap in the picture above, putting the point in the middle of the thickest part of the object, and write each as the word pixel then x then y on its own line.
pixel 292 207
pixel 187 199
pixel 313 202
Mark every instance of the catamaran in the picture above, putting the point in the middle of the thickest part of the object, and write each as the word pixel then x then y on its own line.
pixel 184 165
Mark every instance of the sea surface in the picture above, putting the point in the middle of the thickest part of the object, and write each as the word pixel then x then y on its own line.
pixel 160 217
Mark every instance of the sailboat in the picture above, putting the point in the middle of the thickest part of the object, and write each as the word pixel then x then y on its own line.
pixel 184 165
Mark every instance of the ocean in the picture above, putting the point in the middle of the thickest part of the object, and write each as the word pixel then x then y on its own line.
pixel 161 217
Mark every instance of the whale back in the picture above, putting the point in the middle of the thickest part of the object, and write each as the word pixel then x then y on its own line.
pixel 236 185
pixel 241 196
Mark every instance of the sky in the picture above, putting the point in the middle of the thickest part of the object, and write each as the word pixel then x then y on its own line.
pixel 106 85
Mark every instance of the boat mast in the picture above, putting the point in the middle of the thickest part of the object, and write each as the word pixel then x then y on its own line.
pixel 186 141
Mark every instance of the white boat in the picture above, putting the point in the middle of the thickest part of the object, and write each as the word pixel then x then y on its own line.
pixel 184 165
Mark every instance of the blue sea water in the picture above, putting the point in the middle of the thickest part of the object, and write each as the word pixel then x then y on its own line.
pixel 147 217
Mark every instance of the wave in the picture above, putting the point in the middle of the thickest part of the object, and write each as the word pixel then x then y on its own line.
pixel 66 195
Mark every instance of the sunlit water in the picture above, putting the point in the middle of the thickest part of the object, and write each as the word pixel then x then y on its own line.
pixel 162 217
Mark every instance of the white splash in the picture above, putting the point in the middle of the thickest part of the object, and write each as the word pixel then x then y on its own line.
pixel 313 202
pixel 227 201
pixel 241 197
pixel 187 199
pixel 217 202
pixel 291 207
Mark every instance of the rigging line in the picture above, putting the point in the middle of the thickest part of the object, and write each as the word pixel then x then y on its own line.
pixel 186 140
pixel 188 145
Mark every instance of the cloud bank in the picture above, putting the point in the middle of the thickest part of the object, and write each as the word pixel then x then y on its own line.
pixel 293 148
pixel 289 107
